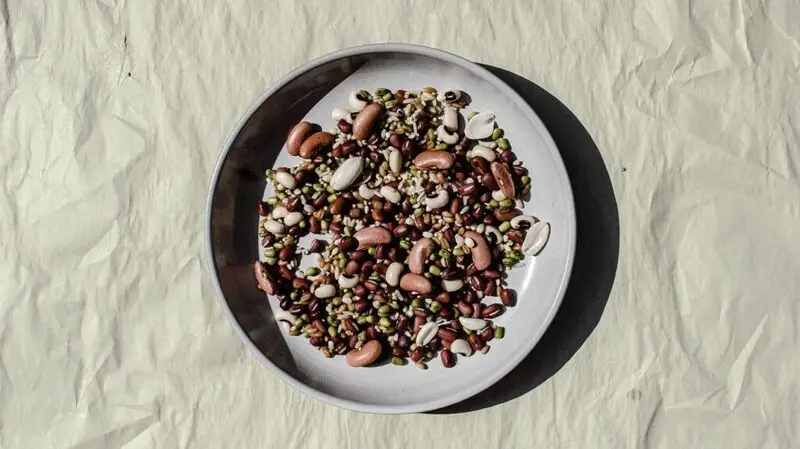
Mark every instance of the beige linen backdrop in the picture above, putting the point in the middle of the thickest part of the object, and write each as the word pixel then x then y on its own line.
pixel 112 115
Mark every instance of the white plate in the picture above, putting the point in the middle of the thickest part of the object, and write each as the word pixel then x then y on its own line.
pixel 539 281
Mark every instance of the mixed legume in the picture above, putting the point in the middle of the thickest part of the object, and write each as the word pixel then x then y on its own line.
pixel 423 218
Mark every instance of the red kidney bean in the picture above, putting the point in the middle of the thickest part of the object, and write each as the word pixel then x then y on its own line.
pixel 492 311
pixel 476 341
pixel 417 354
pixel 362 306
pixel 447 334
pixel 448 359
pixel 508 297
pixel 464 308
pixel 477 309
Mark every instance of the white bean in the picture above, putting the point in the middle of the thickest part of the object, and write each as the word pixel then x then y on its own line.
pixel 498 195
pixel 473 324
pixel 365 192
pixel 274 227
pixel 450 119
pixel 292 218
pixel 469 242
pixel 445 135
pixel 452 285
pixel 347 281
pixel 517 221
pixel 396 161
pixel 391 194
pixel 356 103
pixel 426 333
pixel 482 151
pixel 279 212
pixel 325 291
pixel 461 347
pixel 480 127
pixel 285 179
pixel 347 173
pixel 439 201
pixel 393 273
pixel 340 114
pixel 536 238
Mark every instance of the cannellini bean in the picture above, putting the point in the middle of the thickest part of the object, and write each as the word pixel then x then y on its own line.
pixel 347 173
pixel 473 324
pixel 285 179
pixel 426 333
pixel 482 151
pixel 439 201
pixel 391 194
pixel 446 136
pixel 347 281
pixel 279 212
pixel 498 195
pixel 536 238
pixel 325 291
pixel 395 160
pixel 393 273
pixel 292 218
pixel 274 227
pixel 364 355
pixel 469 242
pixel 365 192
pixel 480 127
pixel 452 285
pixel 461 347
pixel 355 102
pixel 340 114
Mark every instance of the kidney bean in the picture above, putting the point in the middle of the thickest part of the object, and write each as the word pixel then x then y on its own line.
pixel 447 334
pixel 508 297
pixel 401 231
pixel 448 359
pixel 476 341
pixel 285 273
pixel 359 290
pixel 344 126
pixel 467 190
pixel 362 306
pixel 285 303
pixel 476 283
pixel 489 289
pixel 300 284
pixel 487 180
pixel 352 268
pixel 319 325
pixel 477 309
pixel 464 308
pixel 297 309
pixel 487 333
pixel 480 165
pixel 317 246
pixel 516 236
pixel 336 227
pixel 417 354
pixel 286 253
pixel 338 206
pixel 506 213
pixel 492 311
pixel 381 251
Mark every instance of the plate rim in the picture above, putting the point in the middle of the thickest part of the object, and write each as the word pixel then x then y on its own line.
pixel 441 55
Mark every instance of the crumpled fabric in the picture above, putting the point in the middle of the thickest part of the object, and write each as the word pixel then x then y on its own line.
pixel 113 116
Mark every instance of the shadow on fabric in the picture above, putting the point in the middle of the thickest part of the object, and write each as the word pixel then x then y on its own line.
pixel 596 254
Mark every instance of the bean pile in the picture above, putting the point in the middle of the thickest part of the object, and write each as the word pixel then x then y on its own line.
pixel 421 205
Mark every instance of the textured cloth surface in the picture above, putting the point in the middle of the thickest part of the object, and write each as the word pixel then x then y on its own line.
pixel 113 114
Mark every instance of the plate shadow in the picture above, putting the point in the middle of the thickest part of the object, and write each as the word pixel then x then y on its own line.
pixel 596 254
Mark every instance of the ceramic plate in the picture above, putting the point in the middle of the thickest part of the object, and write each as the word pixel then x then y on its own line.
pixel 256 143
